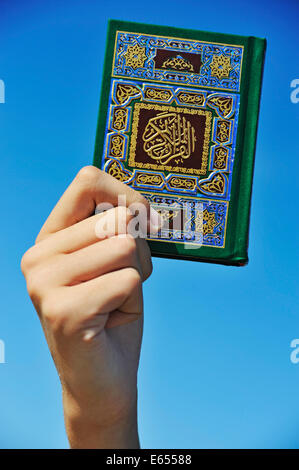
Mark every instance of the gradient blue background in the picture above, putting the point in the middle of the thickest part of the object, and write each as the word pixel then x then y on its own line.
pixel 215 368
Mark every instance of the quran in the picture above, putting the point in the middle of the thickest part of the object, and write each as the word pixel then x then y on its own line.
pixel 178 122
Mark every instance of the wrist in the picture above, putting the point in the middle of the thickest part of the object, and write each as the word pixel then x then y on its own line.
pixel 95 427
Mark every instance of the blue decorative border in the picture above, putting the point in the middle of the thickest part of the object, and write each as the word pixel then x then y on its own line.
pixel 148 71
pixel 229 145
pixel 196 210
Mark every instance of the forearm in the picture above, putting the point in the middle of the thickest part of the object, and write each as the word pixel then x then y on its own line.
pixel 86 286
pixel 91 432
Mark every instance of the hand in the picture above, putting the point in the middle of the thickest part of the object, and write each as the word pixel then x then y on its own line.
pixel 88 294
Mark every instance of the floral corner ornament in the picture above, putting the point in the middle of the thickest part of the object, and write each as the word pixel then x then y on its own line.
pixel 135 56
pixel 220 66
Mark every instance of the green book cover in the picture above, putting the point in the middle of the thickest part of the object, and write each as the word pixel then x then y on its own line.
pixel 178 122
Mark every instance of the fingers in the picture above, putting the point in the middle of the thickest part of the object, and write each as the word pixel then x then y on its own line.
pixel 90 188
pixel 119 293
pixel 105 256
pixel 109 255
pixel 84 233
pixel 85 308
pixel 85 261
pixel 79 272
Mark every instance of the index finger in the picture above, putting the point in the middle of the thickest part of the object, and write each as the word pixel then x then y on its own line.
pixel 90 187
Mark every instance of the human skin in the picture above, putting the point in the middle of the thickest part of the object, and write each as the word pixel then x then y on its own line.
pixel 87 292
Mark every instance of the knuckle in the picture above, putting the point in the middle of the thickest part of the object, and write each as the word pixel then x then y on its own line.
pixel 133 279
pixel 24 263
pixel 33 283
pixel 52 319
pixel 27 260
pixel 54 313
pixel 88 173
pixel 38 279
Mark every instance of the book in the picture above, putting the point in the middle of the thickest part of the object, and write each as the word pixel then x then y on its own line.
pixel 178 121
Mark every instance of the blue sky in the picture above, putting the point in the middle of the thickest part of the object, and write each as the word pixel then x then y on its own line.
pixel 215 367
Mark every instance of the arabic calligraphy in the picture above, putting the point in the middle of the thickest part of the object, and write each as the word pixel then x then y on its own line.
pixel 162 141
pixel 116 147
pixel 223 131
pixel 178 63
pixel 169 136
pixel 150 179
pixel 210 222
pixel 158 94
pixel 125 92
pixel 115 169
pixel 214 184
pixel 176 182
pixel 223 104
pixel 120 117
pixel 191 98
pixel 220 159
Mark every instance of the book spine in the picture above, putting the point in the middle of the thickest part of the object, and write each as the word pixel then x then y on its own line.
pixel 104 96
pixel 256 51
